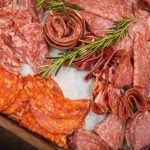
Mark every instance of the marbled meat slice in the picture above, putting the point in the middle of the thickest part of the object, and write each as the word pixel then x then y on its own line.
pixel 86 140
pixel 96 24
pixel 111 131
pixel 123 74
pixel 10 86
pixel 35 49
pixel 141 57
pixel 109 9
pixel 21 32
pixel 138 131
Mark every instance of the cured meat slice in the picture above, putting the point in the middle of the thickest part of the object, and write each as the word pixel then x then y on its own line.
pixel 109 81
pixel 39 105
pixel 138 131
pixel 144 4
pixel 29 122
pixel 52 116
pixel 109 9
pixel 84 139
pixel 10 86
pixel 96 24
pixel 136 101
pixel 123 75
pixel 35 49
pixel 111 131
pixel 93 62
pixel 62 33
pixel 141 64
pixel 22 37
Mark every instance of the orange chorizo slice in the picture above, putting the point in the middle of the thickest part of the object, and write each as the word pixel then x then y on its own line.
pixel 10 87
pixel 52 111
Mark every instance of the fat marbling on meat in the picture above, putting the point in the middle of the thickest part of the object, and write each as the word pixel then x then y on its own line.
pixel 21 35
pixel 111 131
pixel 84 139
pixel 138 131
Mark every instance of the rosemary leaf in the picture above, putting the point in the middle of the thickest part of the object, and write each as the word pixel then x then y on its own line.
pixel 57 5
pixel 114 35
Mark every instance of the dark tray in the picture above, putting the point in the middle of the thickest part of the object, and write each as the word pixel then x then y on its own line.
pixel 14 137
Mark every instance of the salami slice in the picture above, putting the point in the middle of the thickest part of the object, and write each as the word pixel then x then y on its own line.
pixel 138 131
pixel 88 140
pixel 111 131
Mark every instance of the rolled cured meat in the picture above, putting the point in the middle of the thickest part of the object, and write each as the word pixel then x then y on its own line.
pixel 63 32
pixel 135 101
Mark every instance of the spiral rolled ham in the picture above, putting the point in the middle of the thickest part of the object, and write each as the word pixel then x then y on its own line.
pixel 63 32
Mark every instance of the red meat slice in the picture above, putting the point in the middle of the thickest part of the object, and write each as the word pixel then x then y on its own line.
pixel 111 131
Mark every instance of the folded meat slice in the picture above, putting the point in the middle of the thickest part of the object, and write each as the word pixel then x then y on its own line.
pixel 111 131
pixel 138 131
pixel 64 33
pixel 118 74
pixel 84 139
pixel 135 101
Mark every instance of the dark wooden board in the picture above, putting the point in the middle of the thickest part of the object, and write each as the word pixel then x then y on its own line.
pixel 24 135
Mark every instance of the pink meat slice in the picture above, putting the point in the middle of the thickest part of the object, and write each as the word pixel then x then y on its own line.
pixel 111 131
pixel 138 131
pixel 124 73
pixel 141 64
pixel 36 49
pixel 96 24
pixel 109 9
pixel 86 140
pixel 21 34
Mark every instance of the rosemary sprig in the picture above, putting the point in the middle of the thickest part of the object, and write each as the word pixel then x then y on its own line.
pixel 57 5
pixel 114 35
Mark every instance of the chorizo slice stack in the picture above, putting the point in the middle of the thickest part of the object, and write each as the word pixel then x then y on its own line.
pixel 39 105
pixel 63 32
